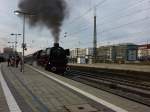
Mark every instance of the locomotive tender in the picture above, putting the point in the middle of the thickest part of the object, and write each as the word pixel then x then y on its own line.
pixel 53 59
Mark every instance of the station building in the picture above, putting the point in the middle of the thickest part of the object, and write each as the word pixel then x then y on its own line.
pixel 126 53
pixel 8 50
pixel 106 53
pixel 144 52
pixel 120 53
pixel 81 55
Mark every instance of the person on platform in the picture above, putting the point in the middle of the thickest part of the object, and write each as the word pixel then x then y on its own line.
pixel 8 61
pixel 12 61
pixel 17 61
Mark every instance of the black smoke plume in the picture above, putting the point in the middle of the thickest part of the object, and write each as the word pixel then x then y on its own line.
pixel 50 13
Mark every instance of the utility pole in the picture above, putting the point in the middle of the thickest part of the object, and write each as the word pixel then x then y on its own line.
pixel 147 54
pixel 23 43
pixel 95 38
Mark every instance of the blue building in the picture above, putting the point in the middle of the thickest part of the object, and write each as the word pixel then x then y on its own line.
pixel 120 53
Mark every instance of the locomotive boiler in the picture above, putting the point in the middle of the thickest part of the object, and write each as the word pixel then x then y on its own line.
pixel 53 59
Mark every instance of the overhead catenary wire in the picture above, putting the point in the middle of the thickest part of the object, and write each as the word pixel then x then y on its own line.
pixel 131 14
pixel 125 9
pixel 122 25
pixel 127 15
pixel 86 12
pixel 133 21
pixel 110 29
pixel 122 36
pixel 100 3
pixel 132 34
pixel 127 35
pixel 79 31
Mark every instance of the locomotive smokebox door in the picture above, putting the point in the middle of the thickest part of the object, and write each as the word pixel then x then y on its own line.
pixel 56 44
pixel 67 51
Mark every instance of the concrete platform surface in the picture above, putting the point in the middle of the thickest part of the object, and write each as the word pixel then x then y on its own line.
pixel 140 68
pixel 3 103
pixel 37 93
pixel 38 90
pixel 128 105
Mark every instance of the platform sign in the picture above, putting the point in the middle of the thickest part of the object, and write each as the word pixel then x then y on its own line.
pixel 132 55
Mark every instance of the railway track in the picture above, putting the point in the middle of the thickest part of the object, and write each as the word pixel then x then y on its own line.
pixel 117 79
pixel 132 89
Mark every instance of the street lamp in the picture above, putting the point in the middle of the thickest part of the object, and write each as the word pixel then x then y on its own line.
pixel 17 12
pixel 12 44
pixel 16 36
pixel 24 13
pixel 65 34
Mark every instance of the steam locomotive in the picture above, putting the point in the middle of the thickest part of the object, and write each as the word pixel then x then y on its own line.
pixel 53 59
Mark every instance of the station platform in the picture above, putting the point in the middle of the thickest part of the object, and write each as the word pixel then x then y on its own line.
pixel 3 103
pixel 125 67
pixel 37 90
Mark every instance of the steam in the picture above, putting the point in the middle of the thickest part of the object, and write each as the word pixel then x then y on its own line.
pixel 50 13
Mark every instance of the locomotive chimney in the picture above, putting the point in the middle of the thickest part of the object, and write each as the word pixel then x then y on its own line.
pixel 56 44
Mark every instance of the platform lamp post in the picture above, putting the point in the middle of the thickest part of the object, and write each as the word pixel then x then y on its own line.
pixel 24 13
pixel 12 44
pixel 17 12
pixel 65 35
pixel 16 36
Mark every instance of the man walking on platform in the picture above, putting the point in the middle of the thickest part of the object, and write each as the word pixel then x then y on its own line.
pixel 17 61
pixel 8 61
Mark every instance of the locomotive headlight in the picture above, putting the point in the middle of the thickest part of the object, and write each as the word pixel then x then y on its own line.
pixel 53 69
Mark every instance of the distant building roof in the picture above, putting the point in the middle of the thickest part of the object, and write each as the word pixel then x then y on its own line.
pixel 144 46
pixel 8 50
pixel 121 44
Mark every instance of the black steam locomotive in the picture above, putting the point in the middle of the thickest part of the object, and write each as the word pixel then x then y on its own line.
pixel 53 59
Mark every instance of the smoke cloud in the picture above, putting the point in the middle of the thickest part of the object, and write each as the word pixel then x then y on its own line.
pixel 50 13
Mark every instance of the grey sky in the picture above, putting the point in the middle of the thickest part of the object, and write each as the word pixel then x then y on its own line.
pixel 118 21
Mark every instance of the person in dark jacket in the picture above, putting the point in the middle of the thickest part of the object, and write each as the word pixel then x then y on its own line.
pixel 17 61
pixel 8 61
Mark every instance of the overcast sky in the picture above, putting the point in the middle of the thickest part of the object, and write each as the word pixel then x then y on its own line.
pixel 118 21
